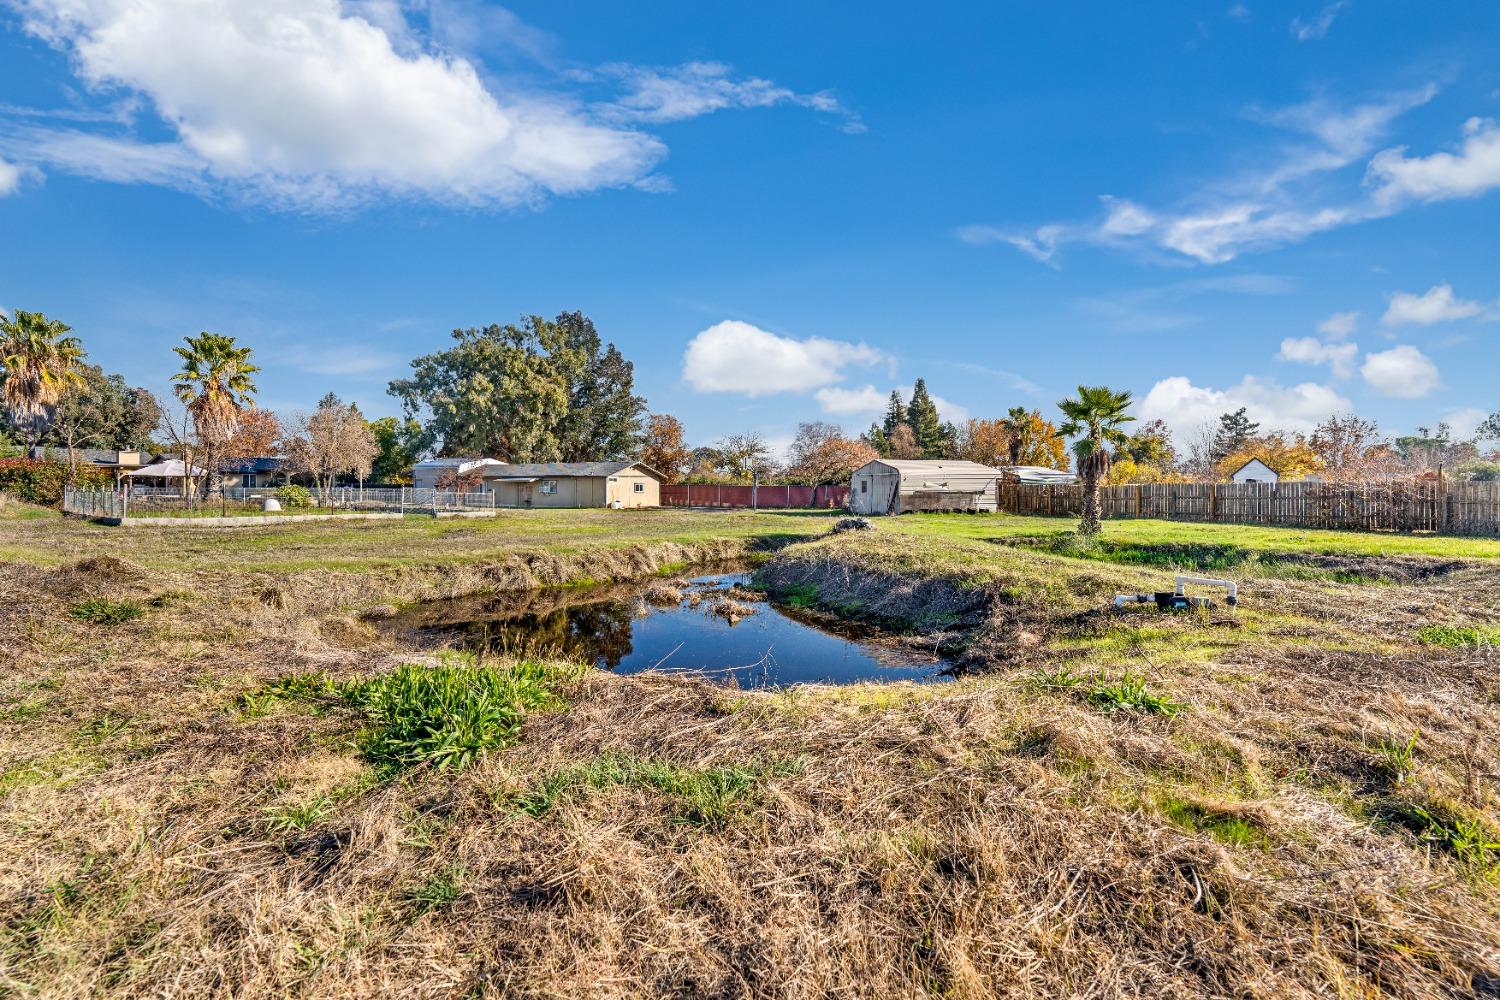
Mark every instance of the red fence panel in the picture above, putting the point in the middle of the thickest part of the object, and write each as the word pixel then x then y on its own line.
pixel 763 497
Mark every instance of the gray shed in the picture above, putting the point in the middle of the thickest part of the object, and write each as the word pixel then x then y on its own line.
pixel 899 486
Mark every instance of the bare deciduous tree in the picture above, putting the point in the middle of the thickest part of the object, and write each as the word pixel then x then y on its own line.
pixel 333 441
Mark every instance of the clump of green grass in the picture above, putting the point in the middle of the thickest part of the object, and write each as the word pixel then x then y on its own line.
pixel 1470 842
pixel 449 714
pixel 1398 758
pixel 102 611
pixel 437 891
pixel 800 596
pixel 298 815
pixel 445 715
pixel 1223 826
pixel 1458 636
pixel 1128 693
pixel 702 796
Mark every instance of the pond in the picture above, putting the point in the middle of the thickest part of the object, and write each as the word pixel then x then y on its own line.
pixel 709 625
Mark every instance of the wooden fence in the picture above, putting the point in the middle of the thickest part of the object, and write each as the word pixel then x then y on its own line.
pixel 1450 508
pixel 763 497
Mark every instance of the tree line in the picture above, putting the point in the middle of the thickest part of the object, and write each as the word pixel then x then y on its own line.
pixel 553 390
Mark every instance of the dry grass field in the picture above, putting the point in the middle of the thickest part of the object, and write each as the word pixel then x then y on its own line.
pixel 221 777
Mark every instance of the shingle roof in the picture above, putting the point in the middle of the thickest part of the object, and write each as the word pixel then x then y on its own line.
pixel 563 469
pixel 98 456
pixel 925 467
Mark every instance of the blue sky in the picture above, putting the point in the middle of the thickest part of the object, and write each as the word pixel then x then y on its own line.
pixel 779 211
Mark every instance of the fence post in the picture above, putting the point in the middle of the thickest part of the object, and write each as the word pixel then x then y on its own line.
pixel 1213 502
pixel 1138 490
pixel 1051 499
pixel 124 504
pixel 1442 499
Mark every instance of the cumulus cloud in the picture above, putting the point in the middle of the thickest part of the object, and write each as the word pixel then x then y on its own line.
pixel 1312 351
pixel 314 104
pixel 1185 406
pixel 1291 196
pixel 1465 420
pixel 1403 372
pixel 668 94
pixel 863 401
pixel 10 178
pixel 1316 27
pixel 1339 325
pixel 1436 305
pixel 868 401
pixel 1471 171
pixel 738 357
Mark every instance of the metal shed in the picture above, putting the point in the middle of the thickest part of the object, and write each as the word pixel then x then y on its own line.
pixel 899 486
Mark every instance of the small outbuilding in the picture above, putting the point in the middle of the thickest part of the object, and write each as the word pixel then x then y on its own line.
pixel 166 475
pixel 1254 471
pixel 574 484
pixel 900 486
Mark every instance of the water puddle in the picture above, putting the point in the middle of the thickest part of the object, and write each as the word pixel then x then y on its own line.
pixel 617 628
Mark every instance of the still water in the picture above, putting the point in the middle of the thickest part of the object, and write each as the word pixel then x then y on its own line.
pixel 614 628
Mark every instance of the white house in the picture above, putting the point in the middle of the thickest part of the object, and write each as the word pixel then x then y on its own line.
pixel 427 475
pixel 1254 471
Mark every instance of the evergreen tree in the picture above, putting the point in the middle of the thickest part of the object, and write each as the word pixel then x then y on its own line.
pixel 895 415
pixel 877 438
pixel 1234 433
pixel 926 426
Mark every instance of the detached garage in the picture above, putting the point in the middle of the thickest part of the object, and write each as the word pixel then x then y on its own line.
pixel 900 486
pixel 575 484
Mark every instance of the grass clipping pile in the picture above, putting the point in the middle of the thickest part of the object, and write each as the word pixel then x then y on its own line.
pixel 479 829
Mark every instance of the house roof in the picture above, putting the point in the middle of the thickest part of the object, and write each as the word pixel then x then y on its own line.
pixel 926 466
pixel 563 470
pixel 461 464
pixel 95 456
pixel 263 463
pixel 170 469
pixel 1253 461
pixel 1038 474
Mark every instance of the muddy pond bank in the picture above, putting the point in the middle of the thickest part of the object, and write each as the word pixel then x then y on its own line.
pixel 711 621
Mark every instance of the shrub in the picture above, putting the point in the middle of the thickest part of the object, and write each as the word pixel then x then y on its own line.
pixel 41 481
pixel 294 496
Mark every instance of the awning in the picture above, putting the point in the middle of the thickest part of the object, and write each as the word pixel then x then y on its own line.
pixel 512 479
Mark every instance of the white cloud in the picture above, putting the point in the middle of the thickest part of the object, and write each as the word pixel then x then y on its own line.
pixel 1403 372
pixel 320 105
pixel 669 94
pixel 1465 420
pixel 1339 325
pixel 10 178
pixel 1185 406
pixel 864 401
pixel 1287 199
pixel 1316 27
pixel 294 101
pixel 737 357
pixel 1473 170
pixel 1436 305
pixel 868 401
pixel 1312 351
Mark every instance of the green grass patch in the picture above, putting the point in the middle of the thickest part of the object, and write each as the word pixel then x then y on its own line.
pixel 445 716
pixel 800 597
pixel 437 891
pixel 1466 838
pixel 1127 693
pixel 1458 636
pixel 700 796
pixel 1224 826
pixel 101 611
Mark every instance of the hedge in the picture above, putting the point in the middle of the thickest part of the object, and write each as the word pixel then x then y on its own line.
pixel 41 481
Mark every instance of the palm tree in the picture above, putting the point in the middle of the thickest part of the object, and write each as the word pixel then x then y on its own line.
pixel 1095 418
pixel 214 384
pixel 1016 423
pixel 41 363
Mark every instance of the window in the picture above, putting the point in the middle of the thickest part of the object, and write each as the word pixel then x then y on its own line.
pixel 640 487
pixel 549 485
pixel 864 486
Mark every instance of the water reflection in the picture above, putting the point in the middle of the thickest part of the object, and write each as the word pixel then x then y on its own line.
pixel 615 629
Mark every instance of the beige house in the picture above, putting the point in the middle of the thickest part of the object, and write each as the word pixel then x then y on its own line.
pixel 574 484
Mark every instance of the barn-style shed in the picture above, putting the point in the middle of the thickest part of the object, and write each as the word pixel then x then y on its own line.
pixel 899 486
